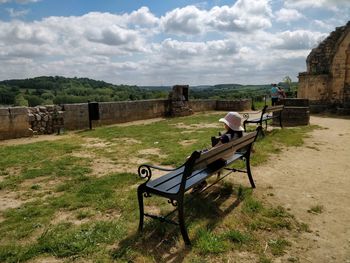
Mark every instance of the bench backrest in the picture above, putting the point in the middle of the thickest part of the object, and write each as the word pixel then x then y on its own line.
pixel 268 109
pixel 222 150
pixel 203 159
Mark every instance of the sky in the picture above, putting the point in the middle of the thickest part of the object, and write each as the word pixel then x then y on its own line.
pixel 164 42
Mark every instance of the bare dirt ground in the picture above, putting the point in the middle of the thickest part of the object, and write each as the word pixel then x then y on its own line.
pixel 315 174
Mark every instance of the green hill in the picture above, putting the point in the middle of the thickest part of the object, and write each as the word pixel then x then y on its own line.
pixel 59 90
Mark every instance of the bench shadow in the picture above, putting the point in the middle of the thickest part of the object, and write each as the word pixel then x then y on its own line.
pixel 163 242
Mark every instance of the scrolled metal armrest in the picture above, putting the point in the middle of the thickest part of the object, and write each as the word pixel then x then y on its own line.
pixel 246 116
pixel 145 170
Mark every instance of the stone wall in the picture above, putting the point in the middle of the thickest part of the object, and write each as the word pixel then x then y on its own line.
pixel 327 79
pixel 340 70
pixel 119 112
pixel 20 122
pixel 14 123
pixel 202 105
pixel 233 105
pixel 314 87
pixel 296 112
pixel 46 119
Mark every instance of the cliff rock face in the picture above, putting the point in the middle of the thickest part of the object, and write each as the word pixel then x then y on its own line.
pixel 327 80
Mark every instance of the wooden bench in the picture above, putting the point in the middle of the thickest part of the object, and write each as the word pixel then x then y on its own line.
pixel 267 113
pixel 198 167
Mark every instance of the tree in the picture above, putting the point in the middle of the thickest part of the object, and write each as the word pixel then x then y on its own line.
pixel 21 101
pixel 288 81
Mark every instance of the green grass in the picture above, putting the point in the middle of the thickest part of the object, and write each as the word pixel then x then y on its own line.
pixel 67 212
pixel 278 246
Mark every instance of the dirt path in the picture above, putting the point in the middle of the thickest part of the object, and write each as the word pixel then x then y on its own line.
pixel 316 174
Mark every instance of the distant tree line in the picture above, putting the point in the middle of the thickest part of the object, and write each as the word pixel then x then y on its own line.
pixel 61 90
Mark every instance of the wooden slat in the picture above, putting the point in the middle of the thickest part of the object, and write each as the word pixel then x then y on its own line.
pixel 222 150
pixel 170 183
pixel 274 108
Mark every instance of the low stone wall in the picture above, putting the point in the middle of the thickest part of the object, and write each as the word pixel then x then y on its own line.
pixel 119 112
pixel 20 122
pixel 202 105
pixel 296 112
pixel 14 123
pixel 233 105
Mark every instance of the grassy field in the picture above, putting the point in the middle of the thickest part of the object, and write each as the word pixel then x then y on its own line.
pixel 75 198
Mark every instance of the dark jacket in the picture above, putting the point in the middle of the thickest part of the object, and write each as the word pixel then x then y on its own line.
pixel 230 135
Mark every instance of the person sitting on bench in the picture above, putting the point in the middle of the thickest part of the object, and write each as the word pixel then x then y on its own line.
pixel 233 130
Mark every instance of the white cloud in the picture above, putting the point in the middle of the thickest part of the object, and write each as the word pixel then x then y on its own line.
pixel 244 15
pixel 187 20
pixel 19 1
pixel 191 45
pixel 27 1
pixel 112 35
pixel 16 13
pixel 295 40
pixel 287 15
pixel 142 17
pixel 326 4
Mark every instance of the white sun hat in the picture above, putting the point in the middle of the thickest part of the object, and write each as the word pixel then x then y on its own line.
pixel 233 120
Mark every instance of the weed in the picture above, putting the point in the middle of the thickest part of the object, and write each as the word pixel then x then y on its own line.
pixel 304 227
pixel 252 206
pixel 35 187
pixel 264 259
pixel 316 209
pixel 210 243
pixel 236 236
pixel 278 246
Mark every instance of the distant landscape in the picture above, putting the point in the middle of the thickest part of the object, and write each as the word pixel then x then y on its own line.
pixel 48 90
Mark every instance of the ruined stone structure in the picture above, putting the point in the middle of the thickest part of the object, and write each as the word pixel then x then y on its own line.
pixel 327 80
pixel 178 101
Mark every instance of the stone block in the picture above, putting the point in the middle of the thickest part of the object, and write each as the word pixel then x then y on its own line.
pixel 4 112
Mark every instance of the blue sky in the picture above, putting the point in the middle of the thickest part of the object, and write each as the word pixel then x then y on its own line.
pixel 164 42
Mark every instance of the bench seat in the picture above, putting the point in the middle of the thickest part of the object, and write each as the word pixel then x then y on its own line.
pixel 170 183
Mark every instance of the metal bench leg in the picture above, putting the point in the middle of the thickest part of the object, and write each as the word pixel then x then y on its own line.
pixel 182 223
pixel 140 198
pixel 250 176
pixel 280 121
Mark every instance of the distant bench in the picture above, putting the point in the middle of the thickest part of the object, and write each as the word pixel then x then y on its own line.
pixel 198 167
pixel 267 113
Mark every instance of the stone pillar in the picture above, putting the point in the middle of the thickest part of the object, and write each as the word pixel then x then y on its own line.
pixel 296 112
pixel 178 101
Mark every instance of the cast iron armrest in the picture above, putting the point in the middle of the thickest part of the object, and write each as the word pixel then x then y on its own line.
pixel 246 114
pixel 145 170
